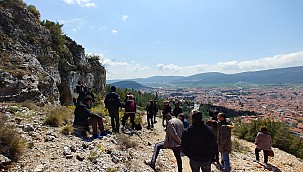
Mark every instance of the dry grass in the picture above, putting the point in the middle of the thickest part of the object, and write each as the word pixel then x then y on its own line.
pixel 11 144
pixel 29 104
pixel 67 130
pixel 58 116
pixel 125 142
pixel 238 147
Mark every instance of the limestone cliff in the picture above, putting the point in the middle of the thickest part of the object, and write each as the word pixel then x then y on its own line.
pixel 33 65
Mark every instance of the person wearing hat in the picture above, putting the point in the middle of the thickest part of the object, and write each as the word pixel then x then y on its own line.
pixel 130 111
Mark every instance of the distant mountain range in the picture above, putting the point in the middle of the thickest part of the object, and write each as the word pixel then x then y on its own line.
pixel 290 75
pixel 129 84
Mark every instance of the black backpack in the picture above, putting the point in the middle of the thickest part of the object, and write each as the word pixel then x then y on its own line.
pixel 113 101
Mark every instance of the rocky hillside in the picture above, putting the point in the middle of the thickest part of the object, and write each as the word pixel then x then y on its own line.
pixel 38 62
pixel 49 150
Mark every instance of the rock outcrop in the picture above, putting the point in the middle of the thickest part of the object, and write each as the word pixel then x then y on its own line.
pixel 32 68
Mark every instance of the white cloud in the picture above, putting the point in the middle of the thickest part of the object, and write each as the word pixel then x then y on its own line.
pixel 82 3
pixel 114 31
pixel 124 17
pixel 277 61
pixel 73 24
pixel 182 70
pixel 122 69
pixel 127 70
pixel 102 28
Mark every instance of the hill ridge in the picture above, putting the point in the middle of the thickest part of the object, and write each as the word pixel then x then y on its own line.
pixel 288 75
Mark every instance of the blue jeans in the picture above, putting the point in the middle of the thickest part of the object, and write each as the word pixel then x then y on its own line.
pixel 225 159
pixel 197 165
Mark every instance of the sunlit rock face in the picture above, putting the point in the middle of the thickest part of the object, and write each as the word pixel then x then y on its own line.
pixel 31 69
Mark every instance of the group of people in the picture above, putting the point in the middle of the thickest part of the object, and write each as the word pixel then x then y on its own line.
pixel 113 104
pixel 198 142
pixel 82 90
pixel 85 118
pixel 201 142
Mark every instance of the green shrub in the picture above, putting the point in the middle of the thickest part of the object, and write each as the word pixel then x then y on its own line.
pixel 280 133
pixel 34 11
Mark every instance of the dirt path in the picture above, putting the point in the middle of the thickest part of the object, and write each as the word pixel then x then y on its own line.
pixel 158 134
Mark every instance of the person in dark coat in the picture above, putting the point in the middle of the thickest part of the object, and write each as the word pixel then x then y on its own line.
pixel 156 108
pixel 113 103
pixel 177 110
pixel 165 110
pixel 150 114
pixel 84 117
pixel 197 143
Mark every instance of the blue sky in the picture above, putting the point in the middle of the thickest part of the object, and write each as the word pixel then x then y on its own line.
pixel 143 38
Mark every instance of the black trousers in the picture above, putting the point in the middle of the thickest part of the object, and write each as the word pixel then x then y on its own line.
pixel 265 155
pixel 132 119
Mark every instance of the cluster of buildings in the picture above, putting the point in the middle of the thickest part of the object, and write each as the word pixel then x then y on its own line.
pixel 280 103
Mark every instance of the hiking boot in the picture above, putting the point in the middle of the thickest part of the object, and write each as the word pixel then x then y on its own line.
pixel 97 136
pixel 104 133
pixel 150 163
pixel 155 122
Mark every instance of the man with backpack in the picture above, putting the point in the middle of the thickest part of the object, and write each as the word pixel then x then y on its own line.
pixel 130 111
pixel 113 103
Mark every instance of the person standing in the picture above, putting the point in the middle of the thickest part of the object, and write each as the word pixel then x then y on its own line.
pixel 172 141
pixel 130 111
pixel 184 120
pixel 165 110
pixel 197 143
pixel 177 110
pixel 263 142
pixel 113 103
pixel 150 114
pixel 224 140
pixel 156 108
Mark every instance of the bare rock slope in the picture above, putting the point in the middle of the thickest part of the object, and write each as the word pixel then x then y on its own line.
pixel 49 150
